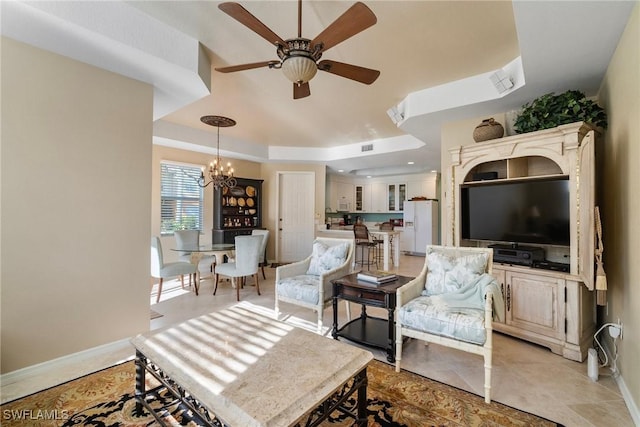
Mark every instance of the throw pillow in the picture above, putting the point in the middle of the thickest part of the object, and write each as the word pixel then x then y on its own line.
pixel 449 274
pixel 325 258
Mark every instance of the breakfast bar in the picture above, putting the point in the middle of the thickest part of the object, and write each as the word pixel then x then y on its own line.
pixel 238 367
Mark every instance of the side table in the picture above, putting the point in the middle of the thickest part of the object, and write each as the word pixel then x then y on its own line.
pixel 368 330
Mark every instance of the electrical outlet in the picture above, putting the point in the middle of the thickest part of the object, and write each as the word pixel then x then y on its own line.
pixel 615 331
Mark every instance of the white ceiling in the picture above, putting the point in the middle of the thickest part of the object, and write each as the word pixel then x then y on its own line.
pixel 434 57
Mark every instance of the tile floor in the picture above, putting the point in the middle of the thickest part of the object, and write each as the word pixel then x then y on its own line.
pixel 525 376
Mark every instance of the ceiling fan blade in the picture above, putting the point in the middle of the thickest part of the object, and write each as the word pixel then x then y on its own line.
pixel 234 68
pixel 243 16
pixel 353 72
pixel 357 18
pixel 301 91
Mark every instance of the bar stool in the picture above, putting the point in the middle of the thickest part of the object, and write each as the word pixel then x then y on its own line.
pixel 385 226
pixel 363 241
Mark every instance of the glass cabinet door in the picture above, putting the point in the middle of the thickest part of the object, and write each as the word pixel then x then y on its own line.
pixel 359 190
pixel 391 195
pixel 402 195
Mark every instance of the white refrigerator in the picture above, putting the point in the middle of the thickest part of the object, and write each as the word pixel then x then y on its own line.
pixel 420 225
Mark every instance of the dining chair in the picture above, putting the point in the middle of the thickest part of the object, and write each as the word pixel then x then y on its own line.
pixel 162 270
pixel 366 246
pixel 246 263
pixel 191 239
pixel 263 248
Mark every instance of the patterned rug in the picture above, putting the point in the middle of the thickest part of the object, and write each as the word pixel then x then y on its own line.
pixel 105 398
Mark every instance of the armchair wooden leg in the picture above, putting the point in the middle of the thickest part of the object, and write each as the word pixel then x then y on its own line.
pixel 182 280
pixel 159 290
pixel 237 287
pixel 487 378
pixel 398 347
pixel 263 276
pixel 215 286
pixel 320 322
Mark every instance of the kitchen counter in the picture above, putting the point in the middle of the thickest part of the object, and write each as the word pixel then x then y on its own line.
pixel 349 228
pixel 346 232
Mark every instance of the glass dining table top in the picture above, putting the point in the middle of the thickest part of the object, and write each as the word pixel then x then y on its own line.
pixel 215 247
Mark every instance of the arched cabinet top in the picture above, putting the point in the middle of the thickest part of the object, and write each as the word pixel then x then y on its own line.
pixel 523 155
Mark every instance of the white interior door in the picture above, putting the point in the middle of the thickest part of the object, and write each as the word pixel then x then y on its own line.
pixel 296 207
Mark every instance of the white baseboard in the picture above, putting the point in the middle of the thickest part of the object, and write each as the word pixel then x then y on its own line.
pixel 634 411
pixel 628 400
pixel 51 372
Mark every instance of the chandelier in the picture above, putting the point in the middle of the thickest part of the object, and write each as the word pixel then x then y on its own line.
pixel 216 172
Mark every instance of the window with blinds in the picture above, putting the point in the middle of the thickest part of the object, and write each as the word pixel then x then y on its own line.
pixel 181 198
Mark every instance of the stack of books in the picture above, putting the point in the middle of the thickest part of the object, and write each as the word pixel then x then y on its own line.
pixel 377 276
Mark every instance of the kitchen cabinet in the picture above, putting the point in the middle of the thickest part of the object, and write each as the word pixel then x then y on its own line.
pixel 425 187
pixel 340 196
pixel 396 195
pixel 237 211
pixel 362 198
pixel 378 197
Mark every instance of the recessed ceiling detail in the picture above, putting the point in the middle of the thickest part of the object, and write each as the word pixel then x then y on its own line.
pixel 300 57
pixel 436 69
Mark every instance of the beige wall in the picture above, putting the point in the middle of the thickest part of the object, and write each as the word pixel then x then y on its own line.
pixel 620 96
pixel 269 174
pixel 76 177
pixel 617 182
pixel 242 168
pixel 455 134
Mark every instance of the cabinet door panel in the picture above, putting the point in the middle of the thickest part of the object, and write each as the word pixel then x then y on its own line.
pixel 501 277
pixel 533 303
pixel 378 197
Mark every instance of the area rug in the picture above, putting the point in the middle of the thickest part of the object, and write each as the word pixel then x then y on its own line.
pixel 105 398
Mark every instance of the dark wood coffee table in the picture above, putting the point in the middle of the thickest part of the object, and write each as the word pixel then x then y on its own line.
pixel 368 330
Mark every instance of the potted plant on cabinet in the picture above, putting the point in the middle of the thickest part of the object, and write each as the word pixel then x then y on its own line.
pixel 551 110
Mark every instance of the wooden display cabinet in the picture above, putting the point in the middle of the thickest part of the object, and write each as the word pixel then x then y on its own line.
pixel 551 308
pixel 237 211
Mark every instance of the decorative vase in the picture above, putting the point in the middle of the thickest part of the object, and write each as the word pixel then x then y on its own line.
pixel 488 129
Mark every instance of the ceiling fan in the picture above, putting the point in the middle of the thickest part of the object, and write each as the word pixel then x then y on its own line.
pixel 300 57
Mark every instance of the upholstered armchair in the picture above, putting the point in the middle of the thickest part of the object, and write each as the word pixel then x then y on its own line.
pixel 452 303
pixel 307 283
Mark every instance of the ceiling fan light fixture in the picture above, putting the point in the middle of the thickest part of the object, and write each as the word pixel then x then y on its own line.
pixel 299 69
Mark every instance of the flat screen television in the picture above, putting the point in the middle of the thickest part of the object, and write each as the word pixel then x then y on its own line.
pixel 527 211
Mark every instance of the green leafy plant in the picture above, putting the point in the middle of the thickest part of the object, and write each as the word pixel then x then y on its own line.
pixel 553 110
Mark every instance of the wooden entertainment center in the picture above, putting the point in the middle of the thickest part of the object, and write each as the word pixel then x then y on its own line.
pixel 552 308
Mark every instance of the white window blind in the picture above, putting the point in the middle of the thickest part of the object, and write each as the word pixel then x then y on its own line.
pixel 181 198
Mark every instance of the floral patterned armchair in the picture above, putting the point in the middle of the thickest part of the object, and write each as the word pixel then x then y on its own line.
pixel 307 283
pixel 452 303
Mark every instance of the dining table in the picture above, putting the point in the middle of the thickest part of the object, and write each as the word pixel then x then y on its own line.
pixel 219 250
pixel 386 236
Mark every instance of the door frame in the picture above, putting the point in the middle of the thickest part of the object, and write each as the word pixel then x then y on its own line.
pixel 279 175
